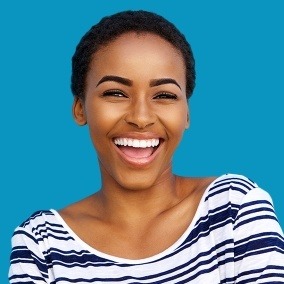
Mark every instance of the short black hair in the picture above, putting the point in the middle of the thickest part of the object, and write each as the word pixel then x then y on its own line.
pixel 111 27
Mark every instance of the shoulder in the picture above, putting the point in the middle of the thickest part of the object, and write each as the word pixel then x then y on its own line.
pixel 38 223
pixel 233 186
pixel 239 193
pixel 236 181
pixel 37 218
pixel 236 191
pixel 227 189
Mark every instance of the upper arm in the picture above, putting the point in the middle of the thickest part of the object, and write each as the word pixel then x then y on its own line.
pixel 259 242
pixel 27 261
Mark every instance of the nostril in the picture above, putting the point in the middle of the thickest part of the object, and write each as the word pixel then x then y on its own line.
pixel 140 117
pixel 140 124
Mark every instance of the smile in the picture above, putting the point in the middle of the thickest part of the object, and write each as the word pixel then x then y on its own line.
pixel 137 151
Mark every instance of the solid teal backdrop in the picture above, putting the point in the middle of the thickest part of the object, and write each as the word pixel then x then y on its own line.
pixel 47 161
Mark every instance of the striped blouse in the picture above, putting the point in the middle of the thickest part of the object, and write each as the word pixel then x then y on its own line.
pixel 234 237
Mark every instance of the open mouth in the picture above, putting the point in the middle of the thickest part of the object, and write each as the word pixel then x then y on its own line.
pixel 137 148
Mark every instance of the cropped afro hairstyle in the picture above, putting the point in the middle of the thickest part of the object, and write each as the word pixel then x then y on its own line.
pixel 111 27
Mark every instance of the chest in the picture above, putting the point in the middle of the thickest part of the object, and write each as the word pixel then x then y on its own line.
pixel 199 257
pixel 140 239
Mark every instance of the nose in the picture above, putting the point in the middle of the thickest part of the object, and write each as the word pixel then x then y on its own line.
pixel 140 114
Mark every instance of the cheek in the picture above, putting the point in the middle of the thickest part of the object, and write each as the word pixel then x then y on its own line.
pixel 100 118
pixel 175 120
pixel 99 122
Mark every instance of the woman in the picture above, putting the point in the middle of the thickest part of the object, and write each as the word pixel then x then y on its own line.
pixel 132 75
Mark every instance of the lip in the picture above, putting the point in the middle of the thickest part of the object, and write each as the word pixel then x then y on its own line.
pixel 140 162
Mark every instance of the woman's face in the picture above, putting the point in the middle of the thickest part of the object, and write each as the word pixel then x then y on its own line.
pixel 136 109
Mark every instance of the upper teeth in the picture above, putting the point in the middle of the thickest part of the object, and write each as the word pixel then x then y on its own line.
pixel 137 143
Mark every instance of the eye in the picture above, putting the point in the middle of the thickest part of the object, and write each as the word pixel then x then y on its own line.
pixel 114 93
pixel 165 96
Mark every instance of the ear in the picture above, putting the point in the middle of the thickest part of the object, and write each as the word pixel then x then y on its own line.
pixel 187 119
pixel 78 111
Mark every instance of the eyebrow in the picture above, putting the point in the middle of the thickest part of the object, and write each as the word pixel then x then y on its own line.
pixel 162 81
pixel 117 79
pixel 128 82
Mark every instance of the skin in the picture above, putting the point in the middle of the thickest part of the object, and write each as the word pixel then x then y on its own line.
pixel 139 203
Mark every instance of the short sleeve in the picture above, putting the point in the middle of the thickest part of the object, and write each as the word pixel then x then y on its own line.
pixel 258 241
pixel 27 262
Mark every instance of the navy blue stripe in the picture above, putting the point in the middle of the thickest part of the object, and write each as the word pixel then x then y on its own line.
pixel 91 280
pixel 21 232
pixel 78 253
pixel 217 192
pixel 44 225
pixel 200 272
pixel 47 230
pixel 26 256
pixel 255 278
pixel 254 219
pixel 80 260
pixel 233 208
pixel 25 253
pixel 261 251
pixel 256 202
pixel 256 244
pixel 204 271
pixel 234 178
pixel 256 210
pixel 258 236
pixel 260 272
pixel 42 268
pixel 228 280
pixel 21 276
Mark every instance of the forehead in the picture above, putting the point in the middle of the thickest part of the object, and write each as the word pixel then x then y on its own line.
pixel 143 41
pixel 149 40
pixel 143 52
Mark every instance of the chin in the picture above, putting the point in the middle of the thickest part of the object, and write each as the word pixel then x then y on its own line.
pixel 142 180
pixel 135 179
pixel 137 182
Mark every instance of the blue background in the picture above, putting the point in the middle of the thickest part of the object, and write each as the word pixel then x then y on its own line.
pixel 47 161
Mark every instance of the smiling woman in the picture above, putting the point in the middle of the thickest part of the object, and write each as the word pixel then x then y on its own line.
pixel 133 74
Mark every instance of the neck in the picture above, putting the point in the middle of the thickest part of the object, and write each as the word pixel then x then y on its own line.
pixel 122 204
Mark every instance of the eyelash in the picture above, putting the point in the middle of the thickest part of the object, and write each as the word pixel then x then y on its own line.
pixel 118 93
pixel 115 93
pixel 166 96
